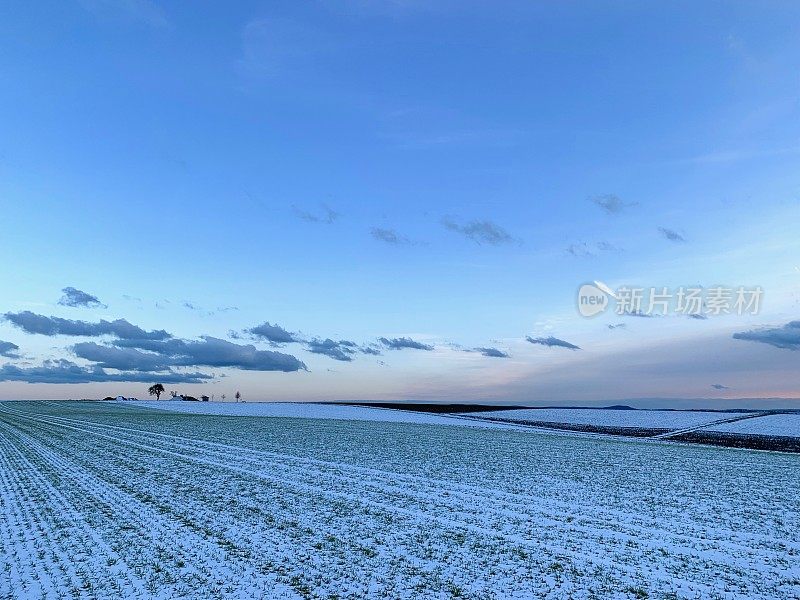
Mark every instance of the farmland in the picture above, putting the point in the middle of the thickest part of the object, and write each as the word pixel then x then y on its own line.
pixel 107 500
pixel 655 420
pixel 787 425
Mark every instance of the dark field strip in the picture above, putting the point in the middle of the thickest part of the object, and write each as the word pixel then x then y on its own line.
pixel 741 440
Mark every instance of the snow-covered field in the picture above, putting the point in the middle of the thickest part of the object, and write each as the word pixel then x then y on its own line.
pixel 644 419
pixel 306 410
pixel 107 500
pixel 786 425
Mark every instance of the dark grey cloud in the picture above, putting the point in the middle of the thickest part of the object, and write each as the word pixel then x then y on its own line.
pixel 64 371
pixel 273 333
pixel 492 352
pixel 206 352
pixel 326 215
pixel 78 299
pixel 787 336
pixel 390 236
pixel 611 204
pixel 123 359
pixel 719 386
pixel 9 349
pixel 671 234
pixel 39 324
pixel 342 350
pixel 480 232
pixel 552 342
pixel 403 342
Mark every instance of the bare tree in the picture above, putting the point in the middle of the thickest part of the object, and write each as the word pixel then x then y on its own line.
pixel 156 390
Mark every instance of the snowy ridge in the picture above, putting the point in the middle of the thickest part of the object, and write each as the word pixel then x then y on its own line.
pixel 312 410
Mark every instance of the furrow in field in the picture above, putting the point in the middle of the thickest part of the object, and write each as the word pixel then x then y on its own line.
pixel 11 566
pixel 333 529
pixel 18 571
pixel 44 566
pixel 200 562
pixel 310 465
pixel 478 506
pixel 431 547
pixel 532 538
pixel 100 568
pixel 182 501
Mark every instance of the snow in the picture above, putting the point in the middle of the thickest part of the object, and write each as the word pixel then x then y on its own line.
pixel 110 500
pixel 309 410
pixel 644 419
pixel 787 425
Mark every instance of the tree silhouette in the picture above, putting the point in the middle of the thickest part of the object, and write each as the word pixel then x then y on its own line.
pixel 238 396
pixel 156 390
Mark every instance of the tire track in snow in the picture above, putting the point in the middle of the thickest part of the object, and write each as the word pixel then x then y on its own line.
pixel 734 419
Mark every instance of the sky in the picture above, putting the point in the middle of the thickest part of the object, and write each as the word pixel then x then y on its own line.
pixel 398 199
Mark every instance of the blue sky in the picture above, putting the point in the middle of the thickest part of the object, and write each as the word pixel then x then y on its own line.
pixel 442 172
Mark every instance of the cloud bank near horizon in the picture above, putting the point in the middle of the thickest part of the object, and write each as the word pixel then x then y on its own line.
pixel 125 350
pixel 51 326
pixel 65 371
